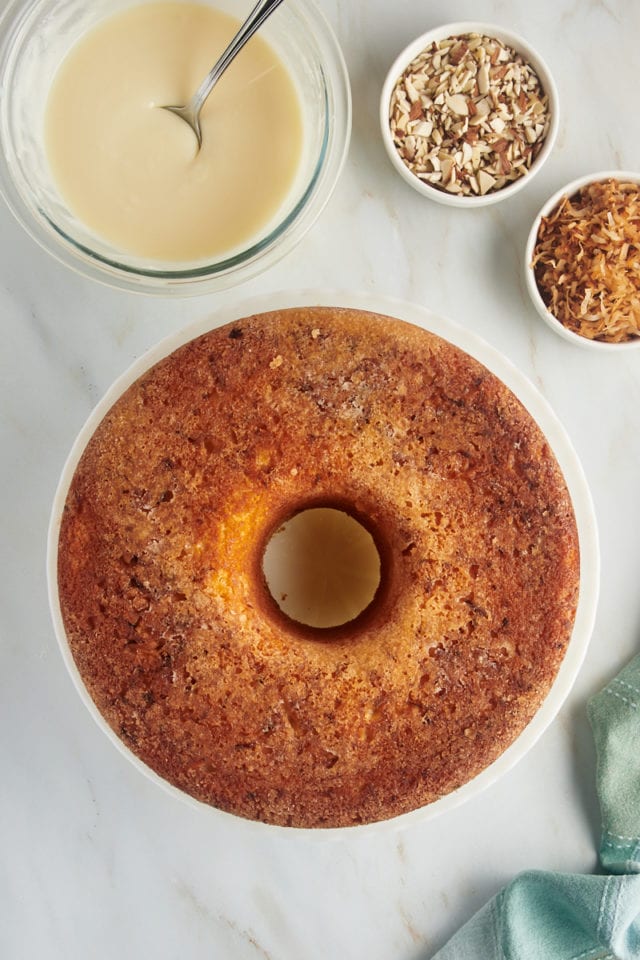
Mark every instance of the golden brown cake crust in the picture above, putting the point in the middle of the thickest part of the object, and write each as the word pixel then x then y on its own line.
pixel 165 607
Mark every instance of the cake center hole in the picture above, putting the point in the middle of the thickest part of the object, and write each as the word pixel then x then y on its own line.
pixel 322 567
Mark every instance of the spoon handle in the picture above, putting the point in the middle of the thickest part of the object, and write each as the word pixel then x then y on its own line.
pixel 262 10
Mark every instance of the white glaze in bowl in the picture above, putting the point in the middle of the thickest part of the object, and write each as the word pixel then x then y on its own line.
pixel 556 325
pixel 34 38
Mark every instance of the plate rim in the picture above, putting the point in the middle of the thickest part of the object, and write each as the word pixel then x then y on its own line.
pixel 536 405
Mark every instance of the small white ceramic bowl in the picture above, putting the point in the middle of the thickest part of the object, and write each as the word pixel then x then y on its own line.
pixel 568 190
pixel 416 47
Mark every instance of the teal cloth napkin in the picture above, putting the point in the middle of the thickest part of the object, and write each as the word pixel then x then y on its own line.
pixel 556 916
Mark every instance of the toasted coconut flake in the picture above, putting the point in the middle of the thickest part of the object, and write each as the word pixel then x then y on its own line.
pixel 586 261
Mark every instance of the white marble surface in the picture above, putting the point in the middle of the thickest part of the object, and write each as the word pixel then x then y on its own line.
pixel 96 860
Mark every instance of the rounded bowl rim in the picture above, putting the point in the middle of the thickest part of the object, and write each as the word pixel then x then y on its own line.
pixel 538 407
pixel 543 312
pixel 404 58
pixel 222 273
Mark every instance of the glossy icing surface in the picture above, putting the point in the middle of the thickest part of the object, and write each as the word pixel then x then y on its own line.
pixel 132 172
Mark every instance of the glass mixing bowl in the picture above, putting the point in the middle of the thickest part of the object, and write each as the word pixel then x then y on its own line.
pixel 35 37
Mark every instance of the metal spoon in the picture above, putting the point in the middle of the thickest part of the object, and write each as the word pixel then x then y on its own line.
pixel 190 112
